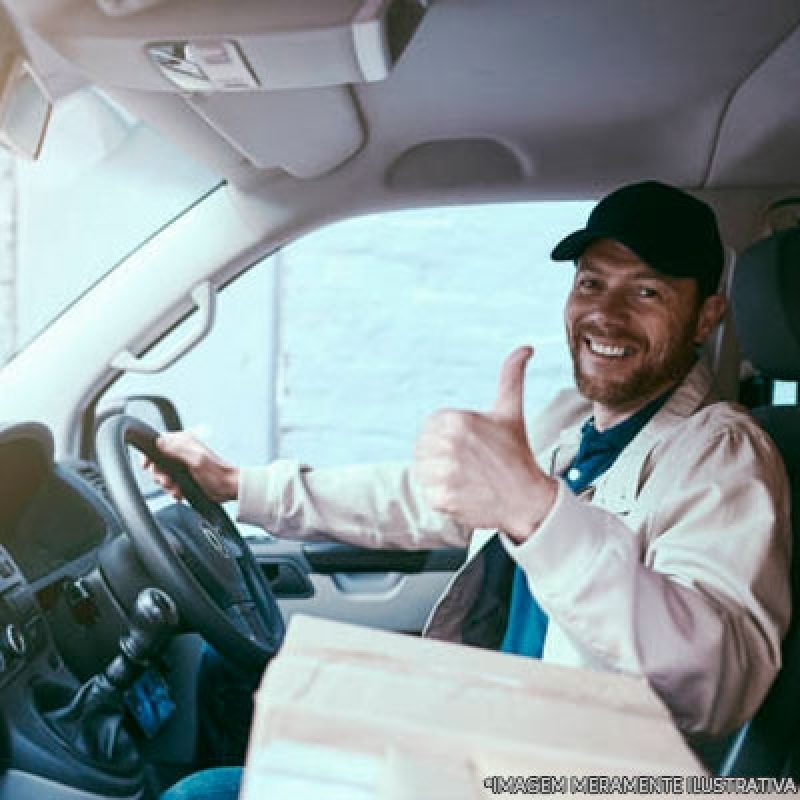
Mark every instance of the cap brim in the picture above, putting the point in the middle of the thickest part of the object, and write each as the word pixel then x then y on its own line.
pixel 571 247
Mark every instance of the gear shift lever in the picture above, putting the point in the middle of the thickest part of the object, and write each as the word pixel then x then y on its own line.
pixel 92 723
pixel 155 619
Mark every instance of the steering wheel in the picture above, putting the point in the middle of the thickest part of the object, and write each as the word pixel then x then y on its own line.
pixel 203 562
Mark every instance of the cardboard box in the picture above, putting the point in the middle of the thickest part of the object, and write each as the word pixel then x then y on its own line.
pixel 359 714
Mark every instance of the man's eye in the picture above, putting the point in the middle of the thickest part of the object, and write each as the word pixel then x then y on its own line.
pixel 588 284
pixel 646 291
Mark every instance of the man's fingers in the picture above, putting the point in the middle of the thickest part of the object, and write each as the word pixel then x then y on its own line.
pixel 178 445
pixel 510 402
pixel 160 477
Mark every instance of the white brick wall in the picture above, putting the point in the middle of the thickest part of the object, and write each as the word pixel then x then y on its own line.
pixel 386 319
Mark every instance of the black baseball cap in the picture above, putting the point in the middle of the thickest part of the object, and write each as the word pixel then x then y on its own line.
pixel 671 231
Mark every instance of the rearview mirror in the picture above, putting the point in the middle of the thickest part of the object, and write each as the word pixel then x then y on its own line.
pixel 25 108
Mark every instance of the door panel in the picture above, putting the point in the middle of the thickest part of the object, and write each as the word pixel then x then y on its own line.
pixel 329 558
pixel 389 589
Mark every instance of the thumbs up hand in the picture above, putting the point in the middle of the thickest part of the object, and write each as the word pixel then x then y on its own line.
pixel 478 467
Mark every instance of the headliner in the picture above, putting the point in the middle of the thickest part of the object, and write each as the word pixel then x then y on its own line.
pixel 537 97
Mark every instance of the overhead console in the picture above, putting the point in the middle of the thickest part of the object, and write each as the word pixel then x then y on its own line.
pixel 201 45
pixel 298 46
pixel 297 57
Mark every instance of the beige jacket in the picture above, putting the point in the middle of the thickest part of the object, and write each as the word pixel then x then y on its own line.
pixel 673 566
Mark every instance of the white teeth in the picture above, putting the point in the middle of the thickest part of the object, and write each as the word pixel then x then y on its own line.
pixel 607 349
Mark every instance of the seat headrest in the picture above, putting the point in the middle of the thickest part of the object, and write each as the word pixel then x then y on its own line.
pixel 765 297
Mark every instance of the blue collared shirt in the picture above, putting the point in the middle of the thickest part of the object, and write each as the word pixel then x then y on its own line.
pixel 527 621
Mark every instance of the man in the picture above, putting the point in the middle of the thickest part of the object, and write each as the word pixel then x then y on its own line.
pixel 639 526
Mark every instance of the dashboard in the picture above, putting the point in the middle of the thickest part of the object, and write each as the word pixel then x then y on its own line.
pixel 60 622
pixel 49 516
pixel 54 522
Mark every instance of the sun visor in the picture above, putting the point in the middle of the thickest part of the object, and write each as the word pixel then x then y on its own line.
pixel 306 132
pixel 25 104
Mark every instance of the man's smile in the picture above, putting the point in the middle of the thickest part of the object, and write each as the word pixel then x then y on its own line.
pixel 607 349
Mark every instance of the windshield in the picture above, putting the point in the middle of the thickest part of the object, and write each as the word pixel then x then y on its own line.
pixel 88 202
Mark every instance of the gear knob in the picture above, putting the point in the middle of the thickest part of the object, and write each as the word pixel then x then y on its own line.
pixel 155 619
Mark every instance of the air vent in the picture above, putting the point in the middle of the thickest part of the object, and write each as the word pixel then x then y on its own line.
pixel 92 475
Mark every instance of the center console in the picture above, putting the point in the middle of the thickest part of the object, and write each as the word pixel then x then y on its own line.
pixel 38 759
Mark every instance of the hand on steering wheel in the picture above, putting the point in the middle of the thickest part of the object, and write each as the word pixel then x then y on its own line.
pixel 205 564
pixel 218 480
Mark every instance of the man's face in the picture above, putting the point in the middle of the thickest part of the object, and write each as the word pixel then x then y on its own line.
pixel 631 330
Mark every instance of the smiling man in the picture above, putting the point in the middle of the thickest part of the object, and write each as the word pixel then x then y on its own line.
pixel 638 525
pixel 632 331
pixel 646 521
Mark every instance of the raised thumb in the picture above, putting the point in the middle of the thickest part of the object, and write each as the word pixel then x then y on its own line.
pixel 510 400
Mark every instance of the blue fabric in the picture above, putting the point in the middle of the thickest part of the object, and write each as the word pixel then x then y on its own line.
pixel 527 621
pixel 150 702
pixel 222 783
pixel 225 710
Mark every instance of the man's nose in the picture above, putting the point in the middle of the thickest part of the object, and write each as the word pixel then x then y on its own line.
pixel 613 304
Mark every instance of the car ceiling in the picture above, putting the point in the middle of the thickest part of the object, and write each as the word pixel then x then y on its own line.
pixel 539 97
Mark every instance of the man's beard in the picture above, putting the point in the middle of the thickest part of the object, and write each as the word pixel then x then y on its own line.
pixel 647 381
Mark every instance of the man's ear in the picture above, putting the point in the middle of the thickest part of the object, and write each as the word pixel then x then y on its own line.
pixel 711 313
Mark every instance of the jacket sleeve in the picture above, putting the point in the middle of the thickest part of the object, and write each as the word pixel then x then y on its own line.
pixel 377 505
pixel 699 604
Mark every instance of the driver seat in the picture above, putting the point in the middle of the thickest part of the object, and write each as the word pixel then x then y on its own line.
pixel 766 309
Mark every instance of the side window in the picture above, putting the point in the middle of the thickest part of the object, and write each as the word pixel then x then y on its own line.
pixel 334 350
pixel 785 393
pixel 388 318
pixel 223 387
